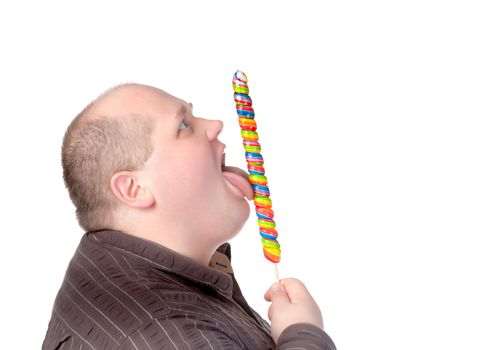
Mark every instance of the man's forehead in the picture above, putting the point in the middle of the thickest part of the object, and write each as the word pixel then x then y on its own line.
pixel 137 98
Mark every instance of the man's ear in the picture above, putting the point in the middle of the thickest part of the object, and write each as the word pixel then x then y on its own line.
pixel 127 189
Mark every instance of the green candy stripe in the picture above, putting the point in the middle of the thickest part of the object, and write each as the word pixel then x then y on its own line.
pixel 249 135
pixel 252 149
pixel 271 244
pixel 241 89
pixel 263 200
pixel 257 178
pixel 266 224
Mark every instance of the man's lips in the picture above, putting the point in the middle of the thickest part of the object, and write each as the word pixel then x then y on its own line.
pixel 239 179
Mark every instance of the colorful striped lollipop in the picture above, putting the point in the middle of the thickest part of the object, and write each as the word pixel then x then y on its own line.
pixel 257 178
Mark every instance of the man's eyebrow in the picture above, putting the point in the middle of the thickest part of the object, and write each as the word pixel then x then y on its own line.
pixel 183 110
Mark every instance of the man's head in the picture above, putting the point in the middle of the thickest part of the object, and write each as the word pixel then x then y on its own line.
pixel 96 145
pixel 137 160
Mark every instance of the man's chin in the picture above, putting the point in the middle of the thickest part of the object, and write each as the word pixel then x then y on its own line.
pixel 237 220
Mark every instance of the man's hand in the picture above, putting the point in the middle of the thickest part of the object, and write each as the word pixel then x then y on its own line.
pixel 291 303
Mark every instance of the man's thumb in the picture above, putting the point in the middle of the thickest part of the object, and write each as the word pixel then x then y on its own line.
pixel 277 293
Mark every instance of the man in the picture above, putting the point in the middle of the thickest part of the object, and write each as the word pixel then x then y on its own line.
pixel 153 271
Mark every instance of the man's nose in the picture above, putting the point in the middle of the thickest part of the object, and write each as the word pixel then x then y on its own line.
pixel 214 128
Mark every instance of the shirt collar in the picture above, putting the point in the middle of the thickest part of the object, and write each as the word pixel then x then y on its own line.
pixel 217 276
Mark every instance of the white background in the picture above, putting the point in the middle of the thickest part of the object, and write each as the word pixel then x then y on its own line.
pixel 367 117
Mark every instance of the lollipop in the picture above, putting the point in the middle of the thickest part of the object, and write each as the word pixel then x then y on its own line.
pixel 257 178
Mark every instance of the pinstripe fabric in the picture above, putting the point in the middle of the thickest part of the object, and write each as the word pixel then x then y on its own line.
pixel 121 292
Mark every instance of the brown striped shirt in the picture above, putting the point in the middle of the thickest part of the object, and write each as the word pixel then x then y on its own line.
pixel 122 292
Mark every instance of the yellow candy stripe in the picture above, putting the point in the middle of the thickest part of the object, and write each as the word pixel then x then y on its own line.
pixel 257 179
pixel 241 89
pixel 249 135
pixel 266 224
pixel 262 201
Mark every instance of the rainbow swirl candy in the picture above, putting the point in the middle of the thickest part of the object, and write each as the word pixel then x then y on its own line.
pixel 257 178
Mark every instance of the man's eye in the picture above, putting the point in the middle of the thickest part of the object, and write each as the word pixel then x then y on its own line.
pixel 184 125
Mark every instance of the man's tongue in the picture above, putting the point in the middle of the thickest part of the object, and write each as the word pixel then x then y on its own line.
pixel 239 179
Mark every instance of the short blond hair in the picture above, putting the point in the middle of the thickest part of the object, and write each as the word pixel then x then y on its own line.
pixel 93 149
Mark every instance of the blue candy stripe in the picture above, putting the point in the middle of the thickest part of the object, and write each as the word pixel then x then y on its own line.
pixel 242 97
pixel 246 116
pixel 244 113
pixel 261 216
pixel 253 155
pixel 270 237
pixel 261 189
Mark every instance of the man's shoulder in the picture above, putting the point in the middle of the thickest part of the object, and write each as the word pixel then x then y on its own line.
pixel 105 310
pixel 109 293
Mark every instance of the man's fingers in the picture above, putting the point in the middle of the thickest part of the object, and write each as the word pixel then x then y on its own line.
pixel 295 289
pixel 268 293
pixel 279 298
pixel 277 294
pixel 270 313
